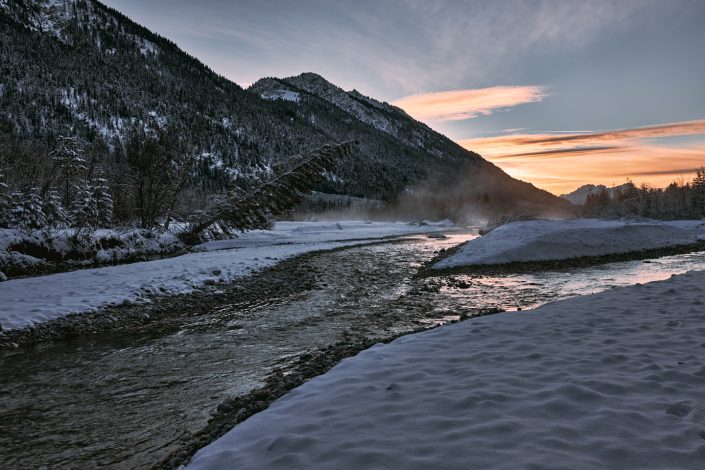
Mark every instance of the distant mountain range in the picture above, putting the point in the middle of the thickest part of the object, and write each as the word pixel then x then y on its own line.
pixel 79 67
pixel 580 195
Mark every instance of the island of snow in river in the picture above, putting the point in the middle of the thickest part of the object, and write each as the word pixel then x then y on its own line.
pixel 539 240
pixel 612 380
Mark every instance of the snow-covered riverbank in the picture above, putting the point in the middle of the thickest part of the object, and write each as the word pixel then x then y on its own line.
pixel 543 240
pixel 28 301
pixel 612 380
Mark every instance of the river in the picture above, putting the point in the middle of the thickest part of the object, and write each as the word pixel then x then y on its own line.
pixel 127 400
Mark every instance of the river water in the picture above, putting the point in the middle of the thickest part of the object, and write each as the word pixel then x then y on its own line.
pixel 125 400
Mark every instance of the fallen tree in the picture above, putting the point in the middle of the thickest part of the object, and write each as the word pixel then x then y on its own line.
pixel 290 180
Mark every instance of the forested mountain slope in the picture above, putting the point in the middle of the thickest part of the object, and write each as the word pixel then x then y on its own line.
pixel 79 68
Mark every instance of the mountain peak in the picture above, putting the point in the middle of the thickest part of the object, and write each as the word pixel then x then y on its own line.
pixel 580 195
pixel 312 77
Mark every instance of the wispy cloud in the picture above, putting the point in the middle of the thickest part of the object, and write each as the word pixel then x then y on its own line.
pixel 515 145
pixel 466 104
pixel 559 161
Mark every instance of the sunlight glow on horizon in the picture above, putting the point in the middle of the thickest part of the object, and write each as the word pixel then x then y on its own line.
pixel 561 162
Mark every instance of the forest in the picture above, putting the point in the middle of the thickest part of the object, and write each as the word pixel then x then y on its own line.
pixel 679 200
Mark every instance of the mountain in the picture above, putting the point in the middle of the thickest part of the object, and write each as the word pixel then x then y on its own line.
pixel 580 195
pixel 80 68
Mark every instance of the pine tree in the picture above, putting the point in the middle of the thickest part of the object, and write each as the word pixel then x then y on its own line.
pixel 28 210
pixel 289 181
pixel 6 202
pixel 69 159
pixel 103 201
pixel 84 210
pixel 699 193
pixel 54 211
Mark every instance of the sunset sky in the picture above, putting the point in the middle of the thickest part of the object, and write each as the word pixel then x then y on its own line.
pixel 558 93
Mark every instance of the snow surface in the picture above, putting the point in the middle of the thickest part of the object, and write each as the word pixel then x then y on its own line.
pixel 538 240
pixel 28 301
pixel 612 380
pixel 281 95
pixel 132 243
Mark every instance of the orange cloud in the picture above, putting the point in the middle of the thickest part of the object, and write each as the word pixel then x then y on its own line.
pixel 467 104
pixel 561 162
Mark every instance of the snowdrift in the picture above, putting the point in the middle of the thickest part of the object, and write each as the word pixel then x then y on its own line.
pixel 543 240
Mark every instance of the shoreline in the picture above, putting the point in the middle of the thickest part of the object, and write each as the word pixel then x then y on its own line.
pixel 235 410
pixel 284 278
pixel 631 355
pixel 31 301
pixel 519 267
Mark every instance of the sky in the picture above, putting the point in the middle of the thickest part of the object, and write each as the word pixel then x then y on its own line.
pixel 559 93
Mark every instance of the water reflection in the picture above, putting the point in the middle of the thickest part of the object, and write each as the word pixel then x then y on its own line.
pixel 529 290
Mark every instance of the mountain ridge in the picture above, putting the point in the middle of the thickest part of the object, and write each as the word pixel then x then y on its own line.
pixel 100 76
pixel 580 195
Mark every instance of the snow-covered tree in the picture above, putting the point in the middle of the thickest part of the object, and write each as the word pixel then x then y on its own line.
pixel 6 202
pixel 54 211
pixel 27 211
pixel 84 210
pixel 103 202
pixel 68 155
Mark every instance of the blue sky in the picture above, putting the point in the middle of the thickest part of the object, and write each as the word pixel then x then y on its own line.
pixel 532 67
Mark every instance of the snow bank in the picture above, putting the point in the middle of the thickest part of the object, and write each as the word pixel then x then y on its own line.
pixel 27 301
pixel 539 240
pixel 612 380
pixel 100 246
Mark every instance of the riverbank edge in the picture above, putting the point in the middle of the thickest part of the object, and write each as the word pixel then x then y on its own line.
pixel 129 316
pixel 235 410
pixel 519 267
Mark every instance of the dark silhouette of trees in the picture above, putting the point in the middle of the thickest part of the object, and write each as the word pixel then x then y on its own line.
pixel 679 200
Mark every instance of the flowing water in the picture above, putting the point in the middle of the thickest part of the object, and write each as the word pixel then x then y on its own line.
pixel 125 400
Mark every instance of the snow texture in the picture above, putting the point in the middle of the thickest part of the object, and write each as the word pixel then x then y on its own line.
pixel 285 95
pixel 613 380
pixel 28 301
pixel 129 243
pixel 539 240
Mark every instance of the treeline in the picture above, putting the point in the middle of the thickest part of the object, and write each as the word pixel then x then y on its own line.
pixel 154 178
pixel 680 200
pixel 69 183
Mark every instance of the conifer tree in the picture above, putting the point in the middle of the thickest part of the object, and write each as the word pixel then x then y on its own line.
pixel 84 211
pixel 699 193
pixel 6 202
pixel 103 201
pixel 28 210
pixel 54 211
pixel 69 158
